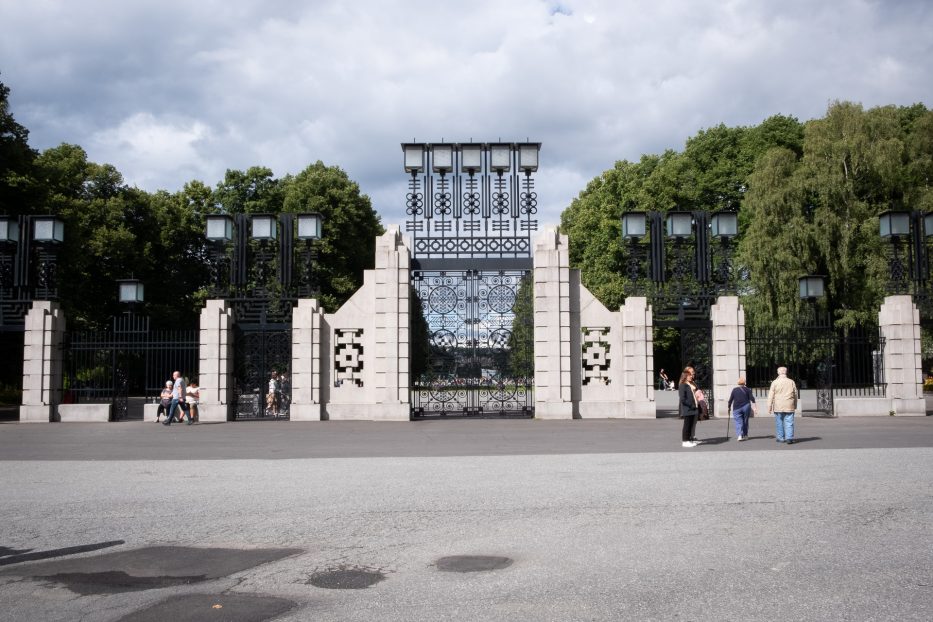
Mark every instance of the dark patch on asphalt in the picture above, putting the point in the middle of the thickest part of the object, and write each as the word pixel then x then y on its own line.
pixel 346 578
pixel 147 568
pixel 14 556
pixel 205 607
pixel 116 581
pixel 472 563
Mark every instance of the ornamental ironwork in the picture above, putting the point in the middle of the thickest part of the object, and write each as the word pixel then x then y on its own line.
pixel 474 342
pixel 471 200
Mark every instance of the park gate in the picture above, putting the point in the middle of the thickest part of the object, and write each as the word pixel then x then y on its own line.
pixel 473 367
pixel 262 345
pixel 129 362
pixel 470 214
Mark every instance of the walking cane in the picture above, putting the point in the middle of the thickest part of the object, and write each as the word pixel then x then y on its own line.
pixel 728 416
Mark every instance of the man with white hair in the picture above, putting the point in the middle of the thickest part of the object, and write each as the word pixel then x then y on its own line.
pixel 782 401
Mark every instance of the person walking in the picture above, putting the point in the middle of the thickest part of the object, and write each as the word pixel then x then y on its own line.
pixel 165 399
pixel 688 407
pixel 272 397
pixel 741 403
pixel 782 402
pixel 178 400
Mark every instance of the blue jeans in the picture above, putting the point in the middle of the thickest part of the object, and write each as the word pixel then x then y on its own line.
pixel 784 426
pixel 171 410
pixel 740 417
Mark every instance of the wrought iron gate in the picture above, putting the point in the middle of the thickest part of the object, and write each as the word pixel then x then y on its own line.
pixel 480 344
pixel 129 361
pixel 260 351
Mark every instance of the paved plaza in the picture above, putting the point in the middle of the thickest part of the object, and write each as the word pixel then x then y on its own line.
pixel 466 520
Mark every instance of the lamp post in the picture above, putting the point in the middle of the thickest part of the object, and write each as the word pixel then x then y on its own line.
pixel 255 238
pixel 29 246
pixel 906 232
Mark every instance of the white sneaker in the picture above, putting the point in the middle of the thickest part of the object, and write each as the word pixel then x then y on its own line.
pixel 688 444
pixel 742 438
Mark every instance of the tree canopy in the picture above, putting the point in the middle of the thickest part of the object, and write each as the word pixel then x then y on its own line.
pixel 808 196
pixel 115 231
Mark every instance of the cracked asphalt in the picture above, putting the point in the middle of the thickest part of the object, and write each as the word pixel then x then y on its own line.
pixel 579 520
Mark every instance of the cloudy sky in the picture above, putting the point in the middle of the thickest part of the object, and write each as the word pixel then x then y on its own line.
pixel 173 90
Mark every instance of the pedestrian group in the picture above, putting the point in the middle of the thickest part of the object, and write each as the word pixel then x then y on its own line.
pixel 783 397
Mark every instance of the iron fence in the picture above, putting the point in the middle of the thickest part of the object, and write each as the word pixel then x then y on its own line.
pixel 128 362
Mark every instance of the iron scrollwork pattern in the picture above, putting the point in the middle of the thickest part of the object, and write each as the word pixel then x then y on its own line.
pixel 471 324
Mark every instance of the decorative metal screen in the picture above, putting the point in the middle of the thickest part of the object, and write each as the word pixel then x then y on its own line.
pixel 261 350
pixel 480 334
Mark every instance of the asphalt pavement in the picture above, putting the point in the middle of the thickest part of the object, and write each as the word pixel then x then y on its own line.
pixel 466 520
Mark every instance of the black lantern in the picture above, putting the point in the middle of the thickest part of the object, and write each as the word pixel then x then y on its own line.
pixel 471 158
pixel 528 157
pixel 218 228
pixel 414 157
pixel 633 225
pixel 724 225
pixel 48 230
pixel 309 226
pixel 812 287
pixel 9 230
pixel 131 291
pixel 679 225
pixel 894 224
pixel 500 157
pixel 442 158
pixel 262 227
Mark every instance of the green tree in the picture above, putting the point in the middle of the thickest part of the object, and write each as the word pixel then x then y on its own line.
pixel 16 162
pixel 522 339
pixel 349 232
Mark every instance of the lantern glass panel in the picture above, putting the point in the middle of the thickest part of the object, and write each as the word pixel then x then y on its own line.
pixel 263 228
pixel 414 158
pixel 894 224
pixel 679 224
pixel 443 158
pixel 724 225
pixel 309 226
pixel 501 156
pixel 811 287
pixel 48 230
pixel 131 291
pixel 633 225
pixel 528 157
pixel 219 229
pixel 9 230
pixel 471 157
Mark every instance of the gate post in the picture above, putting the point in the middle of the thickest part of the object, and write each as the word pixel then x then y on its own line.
pixel 215 367
pixel 553 361
pixel 306 361
pixel 728 318
pixel 42 362
pixel 899 322
pixel 638 358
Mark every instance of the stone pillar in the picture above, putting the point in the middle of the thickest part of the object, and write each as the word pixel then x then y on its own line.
pixel 553 361
pixel 42 362
pixel 306 361
pixel 899 321
pixel 216 365
pixel 392 326
pixel 728 319
pixel 638 358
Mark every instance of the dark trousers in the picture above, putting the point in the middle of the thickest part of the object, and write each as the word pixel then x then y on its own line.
pixel 689 431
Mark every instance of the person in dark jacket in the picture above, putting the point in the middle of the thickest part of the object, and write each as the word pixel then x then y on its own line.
pixel 688 407
pixel 740 404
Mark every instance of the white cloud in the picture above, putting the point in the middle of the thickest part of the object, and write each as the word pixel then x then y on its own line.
pixel 173 90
